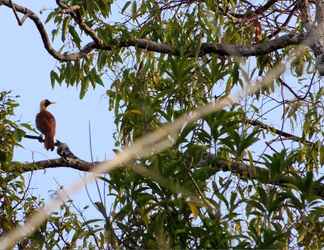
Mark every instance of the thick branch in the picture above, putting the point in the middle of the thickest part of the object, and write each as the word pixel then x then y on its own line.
pixel 53 163
pixel 68 159
pixel 256 50
pixel 209 163
pixel 206 48
pixel 212 164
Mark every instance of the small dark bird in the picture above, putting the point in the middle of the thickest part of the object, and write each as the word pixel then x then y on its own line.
pixel 45 123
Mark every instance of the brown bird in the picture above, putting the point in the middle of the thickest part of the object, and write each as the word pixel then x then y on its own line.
pixel 45 123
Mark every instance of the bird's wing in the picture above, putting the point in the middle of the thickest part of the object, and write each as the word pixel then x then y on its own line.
pixel 45 123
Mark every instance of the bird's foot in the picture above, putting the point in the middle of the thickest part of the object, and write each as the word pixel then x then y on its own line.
pixel 40 138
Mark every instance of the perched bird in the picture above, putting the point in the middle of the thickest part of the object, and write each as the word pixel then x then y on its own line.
pixel 45 123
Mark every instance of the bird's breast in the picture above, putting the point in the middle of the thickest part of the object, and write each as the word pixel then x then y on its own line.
pixel 45 122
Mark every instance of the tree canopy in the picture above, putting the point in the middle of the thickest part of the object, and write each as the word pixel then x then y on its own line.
pixel 247 176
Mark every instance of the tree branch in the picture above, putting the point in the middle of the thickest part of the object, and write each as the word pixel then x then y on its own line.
pixel 67 159
pixel 256 12
pixel 74 12
pixel 141 43
pixel 46 41
pixel 277 131
pixel 20 22
pixel 289 88
pixel 52 163
pixel 210 162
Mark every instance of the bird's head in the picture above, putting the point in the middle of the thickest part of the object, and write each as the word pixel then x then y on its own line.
pixel 45 103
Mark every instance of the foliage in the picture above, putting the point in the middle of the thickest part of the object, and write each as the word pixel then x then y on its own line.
pixel 10 132
pixel 272 203
pixel 16 200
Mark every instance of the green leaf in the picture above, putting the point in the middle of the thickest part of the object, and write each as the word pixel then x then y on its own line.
pixel 101 208
pixel 322 155
pixel 134 10
pixel 125 6
pixel 104 7
pixel 50 16
pixel 75 36
pixel 54 78
pixel 84 88
pixel 65 28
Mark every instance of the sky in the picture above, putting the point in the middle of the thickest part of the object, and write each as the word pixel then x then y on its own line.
pixel 25 66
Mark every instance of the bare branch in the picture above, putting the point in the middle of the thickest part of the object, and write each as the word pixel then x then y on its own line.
pixel 20 22
pixel 68 159
pixel 52 163
pixel 257 50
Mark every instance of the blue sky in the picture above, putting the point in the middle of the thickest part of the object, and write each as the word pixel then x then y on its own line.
pixel 25 67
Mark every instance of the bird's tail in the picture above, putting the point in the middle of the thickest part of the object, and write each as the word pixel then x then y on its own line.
pixel 49 142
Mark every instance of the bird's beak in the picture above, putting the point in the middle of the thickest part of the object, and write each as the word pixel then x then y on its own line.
pixel 53 102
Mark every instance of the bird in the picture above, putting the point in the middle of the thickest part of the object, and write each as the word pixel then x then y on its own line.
pixel 46 124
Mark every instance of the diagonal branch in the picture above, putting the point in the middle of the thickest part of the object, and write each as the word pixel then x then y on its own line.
pixel 74 11
pixel 20 22
pixel 279 132
pixel 141 43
